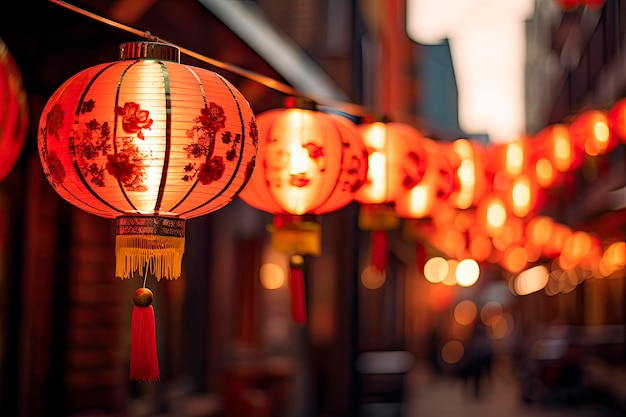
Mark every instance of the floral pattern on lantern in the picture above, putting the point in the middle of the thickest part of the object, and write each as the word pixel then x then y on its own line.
pixel 309 162
pixel 181 147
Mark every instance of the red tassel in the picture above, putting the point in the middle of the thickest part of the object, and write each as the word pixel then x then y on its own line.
pixel 296 284
pixel 144 361
pixel 420 257
pixel 379 250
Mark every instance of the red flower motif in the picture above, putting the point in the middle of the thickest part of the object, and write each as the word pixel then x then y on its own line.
pixel 120 167
pixel 414 169
pixel 314 151
pixel 134 119
pixel 55 167
pixel 213 118
pixel 254 132
pixel 299 180
pixel 211 171
pixel 54 120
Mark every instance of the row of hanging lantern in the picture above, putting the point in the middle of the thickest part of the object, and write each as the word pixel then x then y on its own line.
pixel 498 228
pixel 150 142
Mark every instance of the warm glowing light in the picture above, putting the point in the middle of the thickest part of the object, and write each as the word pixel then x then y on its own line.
pixel 496 214
pixel 450 278
pixel 540 230
pixel 271 276
pixel 467 272
pixel 299 159
pixel 521 195
pixel 613 258
pixel 532 251
pixel 601 131
pixel 420 204
pixel 480 247
pixel 371 278
pixel 489 311
pixel 465 312
pixel 436 269
pixel 452 351
pixel 514 158
pixel 376 136
pixel 531 280
pixel 562 150
pixel 514 259
pixel 544 172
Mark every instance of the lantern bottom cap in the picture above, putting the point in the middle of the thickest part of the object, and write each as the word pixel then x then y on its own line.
pixel 149 244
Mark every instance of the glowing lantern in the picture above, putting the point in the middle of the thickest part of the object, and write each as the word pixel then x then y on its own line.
pixel 560 149
pixel 468 161
pixel 14 112
pixel 432 190
pixel 150 142
pixel 309 163
pixel 590 132
pixel 492 215
pixel 396 163
pixel 617 119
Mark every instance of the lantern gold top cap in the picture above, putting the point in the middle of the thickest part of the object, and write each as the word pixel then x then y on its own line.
pixel 149 50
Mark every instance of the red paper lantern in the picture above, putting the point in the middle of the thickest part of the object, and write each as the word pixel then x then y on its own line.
pixel 591 133
pixel 14 112
pixel 560 148
pixel 309 163
pixel 149 142
pixel 617 119
pixel 396 163
pixel 471 175
pixel 433 189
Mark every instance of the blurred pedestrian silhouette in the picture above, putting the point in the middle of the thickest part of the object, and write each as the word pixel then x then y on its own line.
pixel 477 361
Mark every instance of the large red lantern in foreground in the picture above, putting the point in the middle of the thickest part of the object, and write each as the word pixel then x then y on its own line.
pixel 149 142
pixel 309 163
pixel 14 112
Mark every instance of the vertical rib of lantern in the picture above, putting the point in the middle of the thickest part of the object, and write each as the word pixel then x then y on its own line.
pixel 72 148
pixel 168 136
pixel 208 204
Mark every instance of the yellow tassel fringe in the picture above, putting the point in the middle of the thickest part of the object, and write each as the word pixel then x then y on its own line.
pixel 160 255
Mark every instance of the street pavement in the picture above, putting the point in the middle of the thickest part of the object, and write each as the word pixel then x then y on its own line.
pixel 433 395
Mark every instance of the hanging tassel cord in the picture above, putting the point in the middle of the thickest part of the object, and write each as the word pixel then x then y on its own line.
pixel 297 288
pixel 144 361
pixel 379 250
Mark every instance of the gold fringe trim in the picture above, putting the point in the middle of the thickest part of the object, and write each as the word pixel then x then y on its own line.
pixel 161 256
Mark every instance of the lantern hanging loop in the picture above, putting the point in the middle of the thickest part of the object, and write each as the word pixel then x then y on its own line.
pixel 350 108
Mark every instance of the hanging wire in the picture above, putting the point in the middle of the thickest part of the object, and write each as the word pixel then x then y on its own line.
pixel 349 108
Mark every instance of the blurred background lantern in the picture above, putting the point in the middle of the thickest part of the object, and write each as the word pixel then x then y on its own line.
pixel 467 157
pixel 309 163
pixel 432 190
pixel 150 142
pixel 559 147
pixel 617 119
pixel 590 132
pixel 396 164
pixel 14 112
